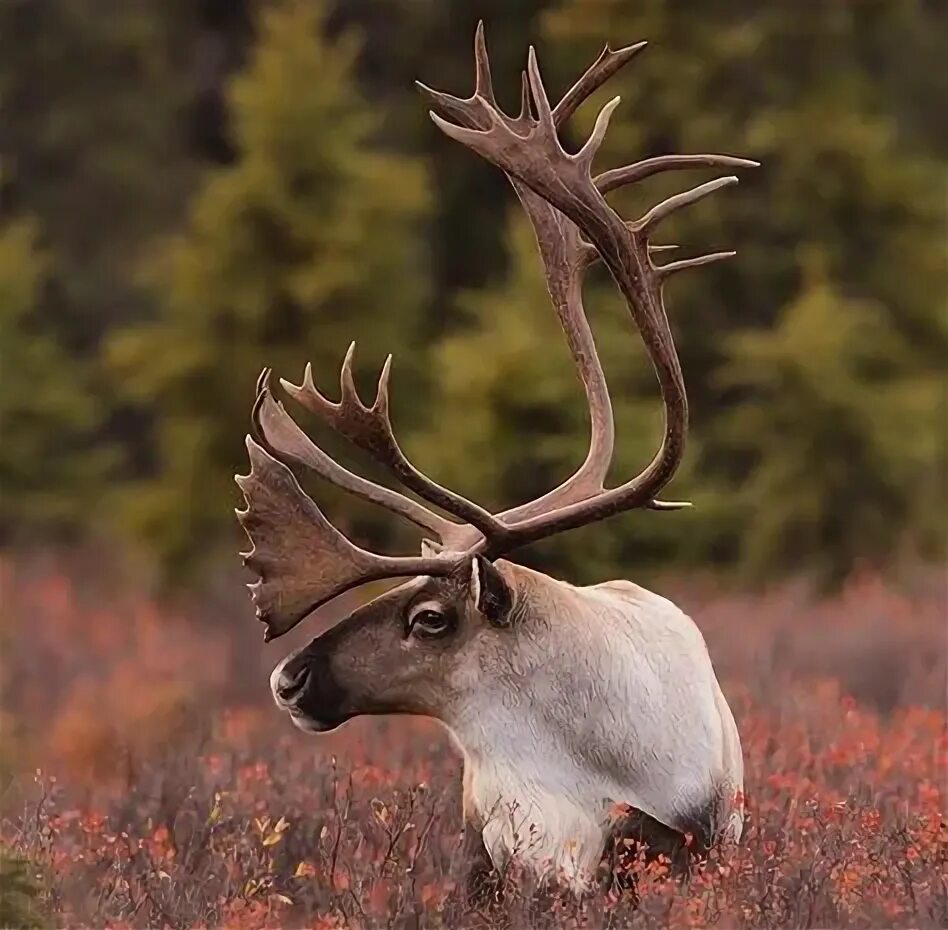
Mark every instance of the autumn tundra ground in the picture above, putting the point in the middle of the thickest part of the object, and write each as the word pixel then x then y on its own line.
pixel 148 782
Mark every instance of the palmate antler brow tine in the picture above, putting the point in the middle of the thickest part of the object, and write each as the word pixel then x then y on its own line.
pixel 301 560
pixel 370 429
pixel 529 151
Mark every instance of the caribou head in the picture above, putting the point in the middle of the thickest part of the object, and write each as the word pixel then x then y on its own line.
pixel 565 701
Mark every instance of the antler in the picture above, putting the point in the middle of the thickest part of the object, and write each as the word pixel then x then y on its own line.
pixel 302 561
pixel 278 430
pixel 370 429
pixel 529 151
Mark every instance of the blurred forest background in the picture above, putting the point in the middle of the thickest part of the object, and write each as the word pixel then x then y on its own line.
pixel 192 190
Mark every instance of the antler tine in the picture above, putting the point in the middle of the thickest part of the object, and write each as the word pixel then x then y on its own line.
pixel 666 271
pixel 280 432
pixel 348 395
pixel 667 505
pixel 526 111
pixel 301 560
pixel 606 65
pixel 540 99
pixel 588 152
pixel 665 209
pixel 630 174
pixel 483 86
pixel 454 107
pixel 370 429
pixel 536 161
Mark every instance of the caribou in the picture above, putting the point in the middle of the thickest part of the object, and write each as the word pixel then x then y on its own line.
pixel 567 703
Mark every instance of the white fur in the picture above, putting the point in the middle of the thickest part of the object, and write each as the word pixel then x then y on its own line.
pixel 606 696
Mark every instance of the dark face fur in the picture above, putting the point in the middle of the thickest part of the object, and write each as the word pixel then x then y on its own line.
pixel 403 652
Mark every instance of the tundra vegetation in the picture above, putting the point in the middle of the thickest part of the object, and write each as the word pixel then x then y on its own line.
pixel 155 789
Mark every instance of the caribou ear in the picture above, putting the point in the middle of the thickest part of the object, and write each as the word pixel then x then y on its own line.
pixel 490 591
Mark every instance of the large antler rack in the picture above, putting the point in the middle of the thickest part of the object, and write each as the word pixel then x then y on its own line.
pixel 528 149
pixel 302 561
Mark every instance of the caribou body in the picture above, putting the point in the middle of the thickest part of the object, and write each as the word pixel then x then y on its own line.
pixel 565 701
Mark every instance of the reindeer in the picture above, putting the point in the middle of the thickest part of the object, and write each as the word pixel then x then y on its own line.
pixel 565 701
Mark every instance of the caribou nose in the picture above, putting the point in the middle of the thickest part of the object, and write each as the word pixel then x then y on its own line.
pixel 292 682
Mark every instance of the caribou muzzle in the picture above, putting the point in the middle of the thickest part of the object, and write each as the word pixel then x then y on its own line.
pixel 304 686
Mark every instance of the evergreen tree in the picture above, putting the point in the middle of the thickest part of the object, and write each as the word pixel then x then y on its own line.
pixel 94 150
pixel 92 94
pixel 840 433
pixel 307 241
pixel 432 41
pixel 51 467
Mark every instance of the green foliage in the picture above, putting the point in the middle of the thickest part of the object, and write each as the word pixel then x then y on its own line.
pixel 307 241
pixel 91 93
pixel 839 432
pixel 430 40
pixel 50 468
pixel 20 893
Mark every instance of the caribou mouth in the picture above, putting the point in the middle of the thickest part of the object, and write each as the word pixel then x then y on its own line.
pixel 302 721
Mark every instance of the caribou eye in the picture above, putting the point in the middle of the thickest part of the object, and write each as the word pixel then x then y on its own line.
pixel 430 623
